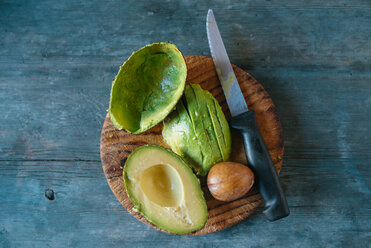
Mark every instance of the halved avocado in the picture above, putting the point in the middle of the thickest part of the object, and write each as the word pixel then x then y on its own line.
pixel 164 189
pixel 147 87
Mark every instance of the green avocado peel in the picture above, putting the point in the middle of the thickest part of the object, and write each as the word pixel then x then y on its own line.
pixel 147 87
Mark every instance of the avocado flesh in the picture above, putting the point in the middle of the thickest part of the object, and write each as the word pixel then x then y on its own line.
pixel 164 189
pixel 202 135
pixel 211 141
pixel 220 125
pixel 208 126
pixel 179 134
pixel 147 87
pixel 227 137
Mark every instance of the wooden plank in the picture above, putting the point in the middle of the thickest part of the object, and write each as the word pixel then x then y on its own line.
pixel 57 61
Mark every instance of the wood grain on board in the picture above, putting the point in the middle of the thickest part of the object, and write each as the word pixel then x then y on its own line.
pixel 116 145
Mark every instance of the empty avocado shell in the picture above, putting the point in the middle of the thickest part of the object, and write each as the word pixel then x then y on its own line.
pixel 147 87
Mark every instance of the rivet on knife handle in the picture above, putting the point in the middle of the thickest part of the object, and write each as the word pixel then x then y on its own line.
pixel 244 120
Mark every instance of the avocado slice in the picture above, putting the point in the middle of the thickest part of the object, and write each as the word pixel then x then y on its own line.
pixel 164 190
pixel 203 136
pixel 179 134
pixel 208 126
pixel 220 124
pixel 147 87
pixel 227 137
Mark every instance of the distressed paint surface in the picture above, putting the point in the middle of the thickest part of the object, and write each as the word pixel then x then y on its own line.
pixel 57 61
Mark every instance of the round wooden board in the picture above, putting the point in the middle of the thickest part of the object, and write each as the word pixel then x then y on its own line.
pixel 116 145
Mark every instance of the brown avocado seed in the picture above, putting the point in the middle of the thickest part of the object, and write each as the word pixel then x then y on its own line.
pixel 228 181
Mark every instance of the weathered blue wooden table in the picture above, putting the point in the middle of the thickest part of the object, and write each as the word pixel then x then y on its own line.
pixel 57 61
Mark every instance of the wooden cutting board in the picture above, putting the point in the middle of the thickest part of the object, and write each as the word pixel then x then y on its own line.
pixel 116 145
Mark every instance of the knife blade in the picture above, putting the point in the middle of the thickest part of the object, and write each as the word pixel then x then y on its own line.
pixel 228 80
pixel 244 121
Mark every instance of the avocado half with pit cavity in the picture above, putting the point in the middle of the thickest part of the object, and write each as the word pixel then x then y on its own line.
pixel 147 87
pixel 198 130
pixel 164 190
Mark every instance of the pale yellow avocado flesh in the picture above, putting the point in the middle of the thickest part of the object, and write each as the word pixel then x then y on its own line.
pixel 165 190
pixel 162 185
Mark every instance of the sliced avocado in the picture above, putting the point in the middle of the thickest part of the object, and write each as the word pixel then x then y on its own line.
pixel 179 134
pixel 164 190
pixel 202 135
pixel 208 125
pixel 227 137
pixel 147 87
pixel 220 124
pixel 210 140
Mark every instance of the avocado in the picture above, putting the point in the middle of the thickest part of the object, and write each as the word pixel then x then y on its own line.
pixel 180 135
pixel 208 127
pixel 220 125
pixel 198 130
pixel 204 140
pixel 164 190
pixel 147 87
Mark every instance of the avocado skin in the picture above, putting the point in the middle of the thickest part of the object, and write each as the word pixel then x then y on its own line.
pixel 210 128
pixel 140 207
pixel 147 87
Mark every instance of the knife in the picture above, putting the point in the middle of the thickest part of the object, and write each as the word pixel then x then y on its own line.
pixel 244 121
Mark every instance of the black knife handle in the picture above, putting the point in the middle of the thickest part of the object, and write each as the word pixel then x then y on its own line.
pixel 259 159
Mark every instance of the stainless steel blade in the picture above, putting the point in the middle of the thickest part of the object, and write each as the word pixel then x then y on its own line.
pixel 232 91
